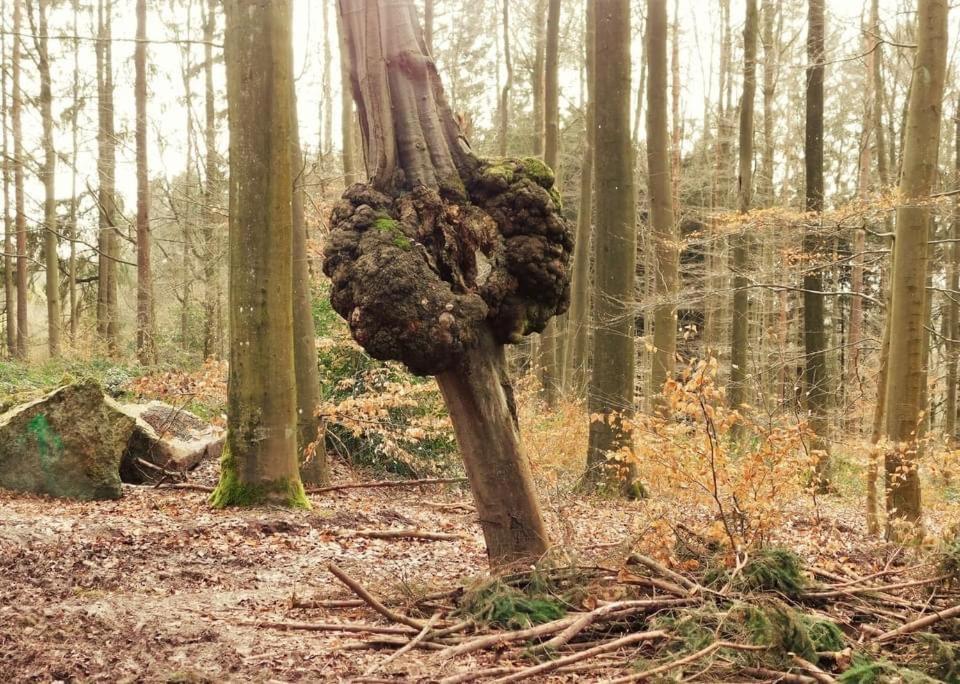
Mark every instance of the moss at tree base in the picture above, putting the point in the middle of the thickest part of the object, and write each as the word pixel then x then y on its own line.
pixel 230 491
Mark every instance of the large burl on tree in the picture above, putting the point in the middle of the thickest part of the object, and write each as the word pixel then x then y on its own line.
pixel 443 258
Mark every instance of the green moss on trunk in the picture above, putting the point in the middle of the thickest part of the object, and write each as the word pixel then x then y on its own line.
pixel 231 491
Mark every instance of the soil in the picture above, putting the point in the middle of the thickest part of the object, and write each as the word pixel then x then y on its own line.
pixel 160 587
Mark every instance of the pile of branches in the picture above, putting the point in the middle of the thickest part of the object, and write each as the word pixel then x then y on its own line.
pixel 767 619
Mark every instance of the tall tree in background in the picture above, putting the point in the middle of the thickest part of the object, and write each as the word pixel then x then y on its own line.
pixel 610 397
pixel 74 156
pixel 346 114
pixel 146 331
pixel 310 443
pixel 18 180
pixel 550 342
pixel 815 378
pixel 48 175
pixel 953 284
pixel 211 234
pixel 9 285
pixel 426 303
pixel 107 247
pixel 578 320
pixel 537 75
pixel 741 304
pixel 906 374
pixel 504 113
pixel 260 463
pixel 660 189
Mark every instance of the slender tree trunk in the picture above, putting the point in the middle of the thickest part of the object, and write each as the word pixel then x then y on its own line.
pixel 187 252
pixel 661 200
pixel 578 319
pixel 675 117
pixel 428 25
pixel 642 85
pixel 211 236
pixel 737 391
pixel 9 286
pixel 260 464
pixel 310 430
pixel 504 118
pixel 551 343
pixel 347 118
pixel 770 11
pixel 107 323
pixel 48 175
pixel 146 331
pixel 326 97
pixel 953 309
pixel 18 180
pixel 537 77
pixel 907 314
pixel 75 149
pixel 610 395
pixel 816 383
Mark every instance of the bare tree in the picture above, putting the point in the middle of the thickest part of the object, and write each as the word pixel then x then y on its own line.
pixel 146 329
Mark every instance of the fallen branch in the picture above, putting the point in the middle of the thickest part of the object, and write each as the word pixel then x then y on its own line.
pixel 353 627
pixel 373 602
pixel 686 660
pixel 814 671
pixel 919 624
pixel 471 675
pixel 410 645
pixel 187 487
pixel 550 665
pixel 651 564
pixel 163 471
pixel 402 534
pixel 774 676
pixel 387 483
pixel 868 589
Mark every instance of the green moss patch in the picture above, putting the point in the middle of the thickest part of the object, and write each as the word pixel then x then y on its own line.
pixel 230 491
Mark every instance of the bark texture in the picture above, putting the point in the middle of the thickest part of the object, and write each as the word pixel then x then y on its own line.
pixel 660 190
pixel 146 330
pixel 905 384
pixel 260 462
pixel 107 323
pixel 20 219
pixel 610 394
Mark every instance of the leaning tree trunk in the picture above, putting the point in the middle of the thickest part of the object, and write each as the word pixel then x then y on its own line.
pixel 905 383
pixel 444 258
pixel 260 462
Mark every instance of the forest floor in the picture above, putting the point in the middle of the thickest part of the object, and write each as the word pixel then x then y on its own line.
pixel 160 587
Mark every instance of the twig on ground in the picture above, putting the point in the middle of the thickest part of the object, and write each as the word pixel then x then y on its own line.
pixel 686 660
pixel 421 635
pixel 327 627
pixel 187 486
pixel 613 645
pixel 401 534
pixel 774 676
pixel 651 564
pixel 371 601
pixel 813 670
pixel 917 625
pixel 387 483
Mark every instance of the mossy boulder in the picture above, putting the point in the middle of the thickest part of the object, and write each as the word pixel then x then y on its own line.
pixel 67 444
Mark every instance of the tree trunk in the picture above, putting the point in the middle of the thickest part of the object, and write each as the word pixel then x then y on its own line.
pixel 18 180
pixel 211 237
pixel 953 308
pixel 737 391
pixel 48 175
pixel 9 286
pixel 770 11
pixel 310 430
pixel 908 305
pixel 74 126
pixel 107 323
pixel 579 317
pixel 504 118
pixel 347 118
pixel 428 25
pixel 661 200
pixel 395 275
pixel 325 146
pixel 537 77
pixel 146 330
pixel 551 343
pixel 260 463
pixel 816 383
pixel 610 396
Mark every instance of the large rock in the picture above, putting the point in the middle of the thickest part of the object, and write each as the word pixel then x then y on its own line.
pixel 67 444
pixel 168 438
